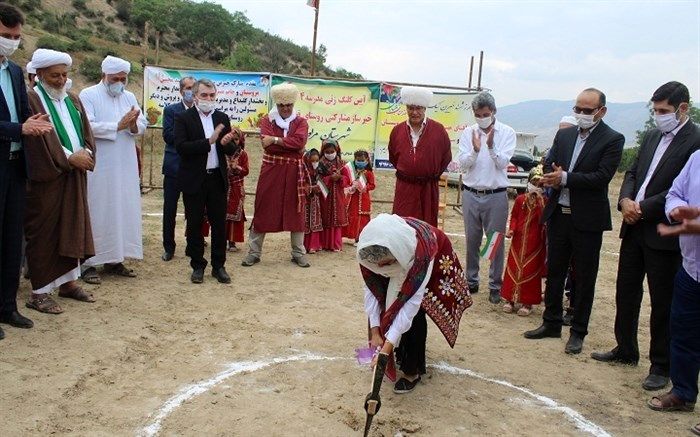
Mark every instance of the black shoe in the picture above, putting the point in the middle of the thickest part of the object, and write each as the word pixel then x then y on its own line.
pixel 167 256
pixel 613 357
pixel 197 276
pixel 473 288
pixel 403 385
pixel 221 275
pixel 574 345
pixel 17 320
pixel 2 334
pixel 543 331
pixel 655 382
pixel 495 296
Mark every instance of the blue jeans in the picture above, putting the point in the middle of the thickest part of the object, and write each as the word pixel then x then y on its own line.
pixel 685 336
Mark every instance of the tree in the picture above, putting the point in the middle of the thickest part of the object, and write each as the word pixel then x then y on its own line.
pixel 242 59
pixel 694 114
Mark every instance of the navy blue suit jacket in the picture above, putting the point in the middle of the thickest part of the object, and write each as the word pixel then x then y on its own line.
pixel 10 131
pixel 171 160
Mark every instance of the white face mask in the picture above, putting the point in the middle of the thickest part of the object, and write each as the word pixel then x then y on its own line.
pixel 666 122
pixel 484 123
pixel 330 156
pixel 8 46
pixel 314 165
pixel 585 121
pixel 206 106
pixel 114 89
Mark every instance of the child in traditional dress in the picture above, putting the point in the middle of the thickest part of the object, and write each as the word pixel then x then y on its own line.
pixel 334 178
pixel 359 200
pixel 312 206
pixel 238 169
pixel 522 280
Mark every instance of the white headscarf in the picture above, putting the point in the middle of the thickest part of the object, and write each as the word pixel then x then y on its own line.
pixel 114 65
pixel 43 58
pixel 392 232
pixel 283 123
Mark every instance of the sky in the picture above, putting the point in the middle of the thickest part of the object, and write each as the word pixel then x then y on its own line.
pixel 548 49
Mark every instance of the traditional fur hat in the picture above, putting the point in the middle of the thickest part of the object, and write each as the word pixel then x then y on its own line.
pixel 284 93
pixel 415 96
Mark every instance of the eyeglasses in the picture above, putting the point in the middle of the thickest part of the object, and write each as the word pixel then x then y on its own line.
pixel 587 111
pixel 285 105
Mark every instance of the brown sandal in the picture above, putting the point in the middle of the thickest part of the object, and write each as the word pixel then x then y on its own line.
pixel 670 402
pixel 90 276
pixel 120 269
pixel 44 303
pixel 695 429
pixel 76 293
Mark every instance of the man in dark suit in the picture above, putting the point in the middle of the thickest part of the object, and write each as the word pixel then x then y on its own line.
pixel 171 163
pixel 583 160
pixel 661 157
pixel 15 122
pixel 203 136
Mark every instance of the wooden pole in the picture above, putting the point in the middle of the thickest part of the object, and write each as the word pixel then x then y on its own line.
pixel 313 52
pixel 471 71
pixel 481 65
pixel 157 46
pixel 146 29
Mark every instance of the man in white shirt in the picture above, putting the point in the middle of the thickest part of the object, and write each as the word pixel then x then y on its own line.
pixel 485 149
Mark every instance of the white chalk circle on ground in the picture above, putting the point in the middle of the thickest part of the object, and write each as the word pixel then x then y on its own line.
pixel 244 367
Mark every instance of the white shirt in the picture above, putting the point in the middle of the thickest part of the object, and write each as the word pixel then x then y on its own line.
pixel 486 170
pixel 564 197
pixel 208 126
pixel 64 115
pixel 660 150
pixel 415 135
pixel 404 318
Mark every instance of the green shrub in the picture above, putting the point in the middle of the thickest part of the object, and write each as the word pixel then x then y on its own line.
pixel 103 52
pixel 79 5
pixel 91 69
pixel 53 43
pixel 81 44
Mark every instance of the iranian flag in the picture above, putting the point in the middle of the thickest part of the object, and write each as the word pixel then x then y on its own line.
pixel 493 242
pixel 312 3
pixel 324 189
pixel 362 182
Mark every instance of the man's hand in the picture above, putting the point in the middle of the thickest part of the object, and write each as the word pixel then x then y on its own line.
pixel 37 125
pixel 631 211
pixel 268 140
pixel 685 212
pixel 489 138
pixel 476 141
pixel 687 226
pixel 509 234
pixel 376 339
pixel 128 121
pixel 82 160
pixel 553 178
pixel 336 175
pixel 215 135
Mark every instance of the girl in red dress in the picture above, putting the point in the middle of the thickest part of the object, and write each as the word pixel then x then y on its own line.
pixel 359 199
pixel 522 280
pixel 238 169
pixel 312 206
pixel 334 178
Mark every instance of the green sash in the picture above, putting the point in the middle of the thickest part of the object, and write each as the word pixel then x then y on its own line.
pixel 58 123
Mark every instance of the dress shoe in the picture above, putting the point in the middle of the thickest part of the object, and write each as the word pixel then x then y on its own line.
pixel 197 276
pixel 473 288
pixel 221 275
pixel 574 345
pixel 543 331
pixel 167 256
pixel 301 261
pixel 613 357
pixel 495 296
pixel 2 334
pixel 17 320
pixel 250 260
pixel 655 382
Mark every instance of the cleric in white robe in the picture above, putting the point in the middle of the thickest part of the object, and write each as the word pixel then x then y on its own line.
pixel 114 196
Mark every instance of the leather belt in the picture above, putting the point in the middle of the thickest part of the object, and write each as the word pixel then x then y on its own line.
pixel 213 170
pixel 15 155
pixel 475 191
pixel 565 209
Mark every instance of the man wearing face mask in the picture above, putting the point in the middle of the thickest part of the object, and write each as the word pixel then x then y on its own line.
pixel 171 163
pixel 485 149
pixel 57 221
pixel 581 163
pixel 15 124
pixel 114 195
pixel 203 136
pixel 643 252
pixel 281 191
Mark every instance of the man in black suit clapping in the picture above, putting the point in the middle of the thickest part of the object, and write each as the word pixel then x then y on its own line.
pixel 583 160
pixel 203 136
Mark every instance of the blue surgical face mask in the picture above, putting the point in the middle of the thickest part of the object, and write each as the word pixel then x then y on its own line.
pixel 188 96
pixel 115 89
pixel 360 164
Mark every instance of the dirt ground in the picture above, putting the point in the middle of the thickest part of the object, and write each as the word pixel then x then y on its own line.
pixel 108 368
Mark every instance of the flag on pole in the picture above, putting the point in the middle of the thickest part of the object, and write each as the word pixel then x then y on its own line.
pixel 351 169
pixel 312 3
pixel 324 189
pixel 493 242
pixel 362 182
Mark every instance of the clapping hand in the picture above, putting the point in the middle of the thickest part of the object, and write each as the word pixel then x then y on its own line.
pixel 553 178
pixel 217 131
pixel 476 141
pixel 37 125
pixel 489 138
pixel 129 120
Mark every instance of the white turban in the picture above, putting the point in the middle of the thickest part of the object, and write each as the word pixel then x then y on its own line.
pixel 415 96
pixel 30 68
pixel 284 93
pixel 114 65
pixel 43 58
pixel 569 119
